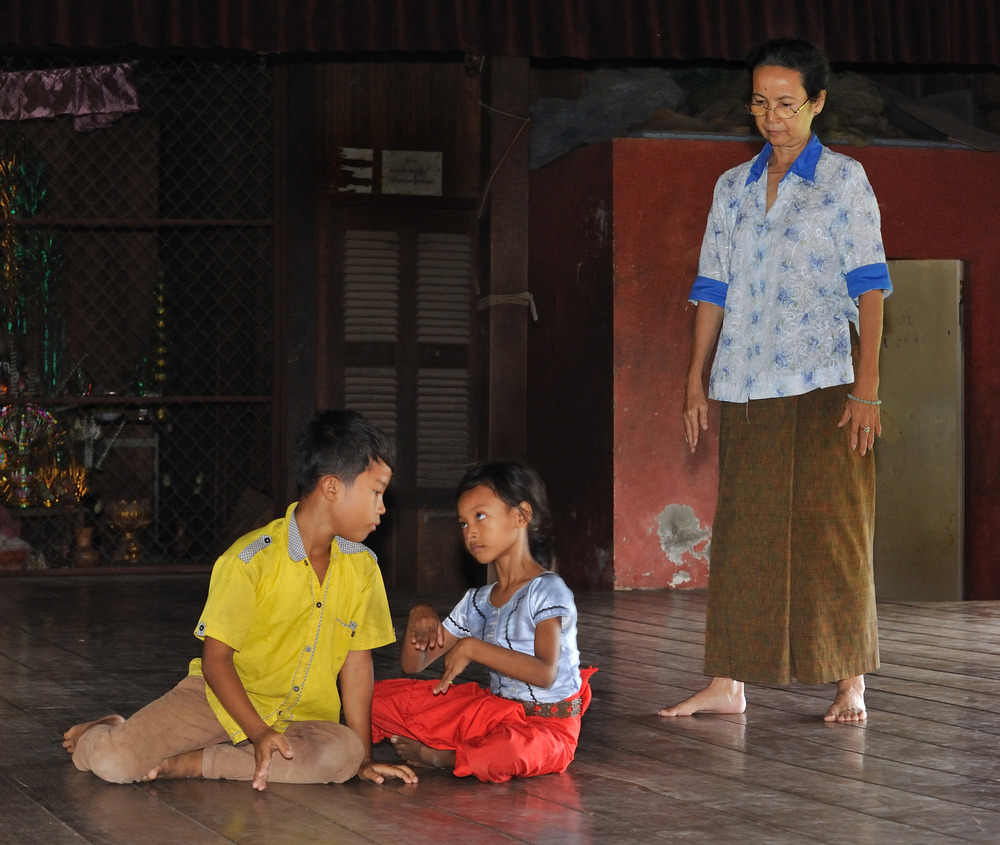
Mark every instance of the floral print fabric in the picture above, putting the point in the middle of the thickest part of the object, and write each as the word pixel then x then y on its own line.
pixel 789 277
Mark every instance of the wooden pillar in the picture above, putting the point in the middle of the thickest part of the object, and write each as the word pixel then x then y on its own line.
pixel 297 260
pixel 506 220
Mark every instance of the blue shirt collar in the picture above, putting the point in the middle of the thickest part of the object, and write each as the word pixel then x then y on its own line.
pixel 804 165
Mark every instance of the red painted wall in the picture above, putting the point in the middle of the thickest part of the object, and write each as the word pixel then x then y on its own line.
pixel 936 203
pixel 664 496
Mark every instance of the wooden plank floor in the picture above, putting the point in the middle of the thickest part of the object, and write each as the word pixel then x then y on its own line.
pixel 925 767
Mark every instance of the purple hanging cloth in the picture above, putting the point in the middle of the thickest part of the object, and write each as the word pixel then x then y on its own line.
pixel 96 95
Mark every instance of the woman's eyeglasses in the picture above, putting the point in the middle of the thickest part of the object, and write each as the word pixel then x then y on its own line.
pixel 781 112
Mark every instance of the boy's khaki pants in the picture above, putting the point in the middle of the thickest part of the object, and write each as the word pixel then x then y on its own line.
pixel 182 721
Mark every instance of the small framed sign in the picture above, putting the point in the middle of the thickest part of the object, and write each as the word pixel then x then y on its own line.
pixel 411 172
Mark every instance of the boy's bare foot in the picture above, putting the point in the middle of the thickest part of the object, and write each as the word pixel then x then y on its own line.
pixel 849 705
pixel 417 754
pixel 72 736
pixel 722 695
pixel 186 765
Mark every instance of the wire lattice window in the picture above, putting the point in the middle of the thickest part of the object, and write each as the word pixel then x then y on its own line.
pixel 137 312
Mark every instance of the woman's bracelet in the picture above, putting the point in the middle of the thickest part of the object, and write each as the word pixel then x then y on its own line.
pixel 864 401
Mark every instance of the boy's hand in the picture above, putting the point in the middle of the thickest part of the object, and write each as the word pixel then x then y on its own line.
pixel 377 772
pixel 264 747
pixel 424 630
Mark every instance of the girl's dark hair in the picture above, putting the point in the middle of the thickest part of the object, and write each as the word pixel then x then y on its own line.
pixel 794 54
pixel 514 483
pixel 340 443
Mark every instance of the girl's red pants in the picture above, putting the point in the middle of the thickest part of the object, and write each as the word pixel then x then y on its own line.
pixel 491 736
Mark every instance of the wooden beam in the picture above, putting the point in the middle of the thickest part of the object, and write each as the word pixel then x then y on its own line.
pixel 506 217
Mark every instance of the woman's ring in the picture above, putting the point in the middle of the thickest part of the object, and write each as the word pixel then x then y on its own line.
pixel 867 429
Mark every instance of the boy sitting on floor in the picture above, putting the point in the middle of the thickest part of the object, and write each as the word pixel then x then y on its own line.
pixel 293 610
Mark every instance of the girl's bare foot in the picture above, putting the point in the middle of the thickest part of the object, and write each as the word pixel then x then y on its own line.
pixel 72 736
pixel 849 705
pixel 417 754
pixel 722 695
pixel 187 765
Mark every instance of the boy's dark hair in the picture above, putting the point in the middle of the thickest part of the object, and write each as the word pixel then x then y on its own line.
pixel 514 483
pixel 340 443
pixel 794 54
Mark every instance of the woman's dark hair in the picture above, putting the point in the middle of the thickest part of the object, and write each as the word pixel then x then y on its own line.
pixel 794 54
pixel 340 443
pixel 514 483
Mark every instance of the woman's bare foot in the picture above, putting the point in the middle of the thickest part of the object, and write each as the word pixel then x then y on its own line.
pixel 849 705
pixel 722 695
pixel 72 736
pixel 417 754
pixel 187 765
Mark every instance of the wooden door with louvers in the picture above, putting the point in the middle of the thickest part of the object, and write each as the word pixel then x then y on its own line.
pixel 397 334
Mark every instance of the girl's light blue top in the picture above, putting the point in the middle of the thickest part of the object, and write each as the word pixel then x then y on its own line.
pixel 513 626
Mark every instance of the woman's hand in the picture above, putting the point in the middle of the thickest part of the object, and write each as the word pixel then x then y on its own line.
pixel 695 413
pixel 863 416
pixel 707 324
pixel 864 423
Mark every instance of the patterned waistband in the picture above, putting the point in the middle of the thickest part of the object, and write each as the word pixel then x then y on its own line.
pixel 564 709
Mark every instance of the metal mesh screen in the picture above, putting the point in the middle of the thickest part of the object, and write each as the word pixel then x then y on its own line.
pixel 136 321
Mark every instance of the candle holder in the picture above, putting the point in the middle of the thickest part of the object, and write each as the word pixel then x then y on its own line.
pixel 128 517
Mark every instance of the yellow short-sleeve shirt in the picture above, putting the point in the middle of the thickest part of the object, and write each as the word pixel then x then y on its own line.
pixel 290 633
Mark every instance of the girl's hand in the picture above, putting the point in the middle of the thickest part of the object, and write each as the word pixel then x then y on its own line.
pixel 455 662
pixel 425 640
pixel 424 629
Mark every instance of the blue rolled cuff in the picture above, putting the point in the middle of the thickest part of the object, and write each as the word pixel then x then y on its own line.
pixel 869 277
pixel 709 290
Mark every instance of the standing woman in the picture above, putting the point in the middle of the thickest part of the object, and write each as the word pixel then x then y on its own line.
pixel 789 291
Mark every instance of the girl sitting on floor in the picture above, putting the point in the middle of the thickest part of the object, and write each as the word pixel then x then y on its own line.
pixel 522 628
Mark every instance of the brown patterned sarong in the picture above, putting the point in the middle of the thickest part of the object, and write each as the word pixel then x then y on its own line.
pixel 791 591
